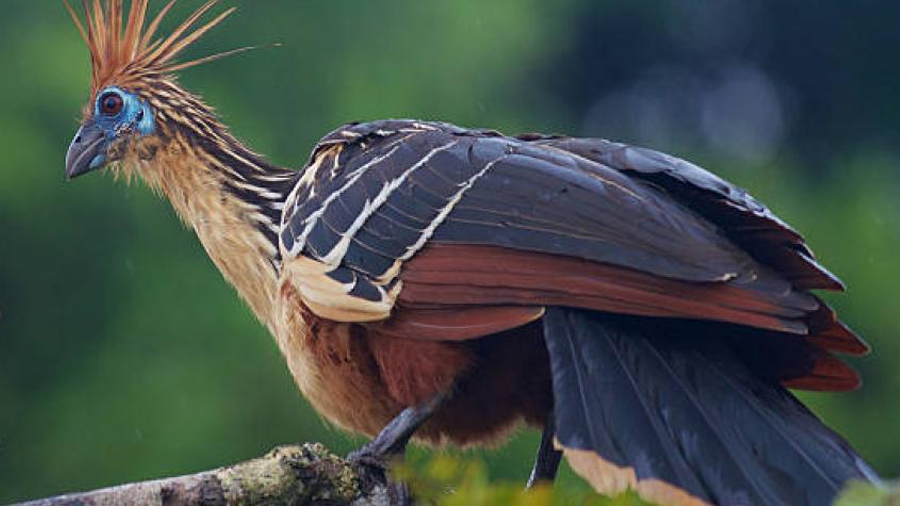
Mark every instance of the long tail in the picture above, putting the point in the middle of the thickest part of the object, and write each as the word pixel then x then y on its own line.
pixel 684 421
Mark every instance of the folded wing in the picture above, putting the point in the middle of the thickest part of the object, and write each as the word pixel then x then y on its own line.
pixel 430 231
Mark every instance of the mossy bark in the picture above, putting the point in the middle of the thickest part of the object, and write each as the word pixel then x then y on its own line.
pixel 289 475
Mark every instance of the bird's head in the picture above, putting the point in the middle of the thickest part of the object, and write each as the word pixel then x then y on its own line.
pixel 117 118
pixel 136 103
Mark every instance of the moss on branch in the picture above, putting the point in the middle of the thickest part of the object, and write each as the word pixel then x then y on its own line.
pixel 289 475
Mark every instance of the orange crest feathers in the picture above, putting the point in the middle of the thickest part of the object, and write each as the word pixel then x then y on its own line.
pixel 121 48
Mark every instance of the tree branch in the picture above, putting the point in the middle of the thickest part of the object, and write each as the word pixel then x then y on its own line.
pixel 307 474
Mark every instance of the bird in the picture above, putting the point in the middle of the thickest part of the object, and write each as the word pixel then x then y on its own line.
pixel 447 285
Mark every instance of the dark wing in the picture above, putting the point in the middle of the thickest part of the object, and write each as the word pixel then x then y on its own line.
pixel 742 218
pixel 459 231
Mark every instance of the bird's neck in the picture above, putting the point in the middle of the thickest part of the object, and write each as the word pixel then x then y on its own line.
pixel 233 199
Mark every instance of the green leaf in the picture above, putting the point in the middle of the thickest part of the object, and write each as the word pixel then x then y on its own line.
pixel 859 493
pixel 452 481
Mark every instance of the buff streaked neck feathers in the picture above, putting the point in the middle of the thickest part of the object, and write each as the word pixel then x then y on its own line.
pixel 231 229
pixel 225 192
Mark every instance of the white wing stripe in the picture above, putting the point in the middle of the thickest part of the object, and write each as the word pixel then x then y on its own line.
pixel 311 220
pixel 340 249
pixel 445 211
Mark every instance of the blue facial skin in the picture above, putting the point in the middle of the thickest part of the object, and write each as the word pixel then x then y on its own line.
pixel 88 150
pixel 135 116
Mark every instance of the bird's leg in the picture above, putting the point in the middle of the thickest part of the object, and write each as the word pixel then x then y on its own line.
pixel 547 461
pixel 392 440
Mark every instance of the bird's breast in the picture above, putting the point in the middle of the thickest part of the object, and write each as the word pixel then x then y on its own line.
pixel 332 365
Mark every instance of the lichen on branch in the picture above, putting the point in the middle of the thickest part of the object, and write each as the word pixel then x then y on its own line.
pixel 305 474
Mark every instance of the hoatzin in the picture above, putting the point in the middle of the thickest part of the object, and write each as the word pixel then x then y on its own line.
pixel 430 281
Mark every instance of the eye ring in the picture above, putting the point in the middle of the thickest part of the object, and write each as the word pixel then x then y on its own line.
pixel 110 103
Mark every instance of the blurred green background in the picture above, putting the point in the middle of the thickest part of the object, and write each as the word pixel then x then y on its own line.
pixel 125 356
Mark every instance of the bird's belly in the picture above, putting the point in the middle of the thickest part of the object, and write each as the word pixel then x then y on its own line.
pixel 359 380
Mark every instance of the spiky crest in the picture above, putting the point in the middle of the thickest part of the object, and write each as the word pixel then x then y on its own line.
pixel 123 50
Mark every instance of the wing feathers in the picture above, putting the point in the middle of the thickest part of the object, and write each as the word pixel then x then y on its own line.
pixel 744 219
pixel 448 231
pixel 457 324
pixel 452 274
pixel 669 407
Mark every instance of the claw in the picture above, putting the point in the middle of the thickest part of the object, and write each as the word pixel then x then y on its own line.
pixel 375 461
pixel 370 457
pixel 390 444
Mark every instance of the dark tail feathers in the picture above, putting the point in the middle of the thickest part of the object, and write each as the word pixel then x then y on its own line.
pixel 683 420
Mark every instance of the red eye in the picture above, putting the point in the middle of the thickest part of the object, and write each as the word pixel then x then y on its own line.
pixel 111 103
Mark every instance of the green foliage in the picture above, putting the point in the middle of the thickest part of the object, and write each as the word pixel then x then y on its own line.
pixel 866 494
pixel 448 480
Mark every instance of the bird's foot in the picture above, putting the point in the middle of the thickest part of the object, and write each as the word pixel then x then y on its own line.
pixel 391 442
pixel 375 459
pixel 377 455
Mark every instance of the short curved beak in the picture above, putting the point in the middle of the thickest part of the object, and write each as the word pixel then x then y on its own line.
pixel 87 151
